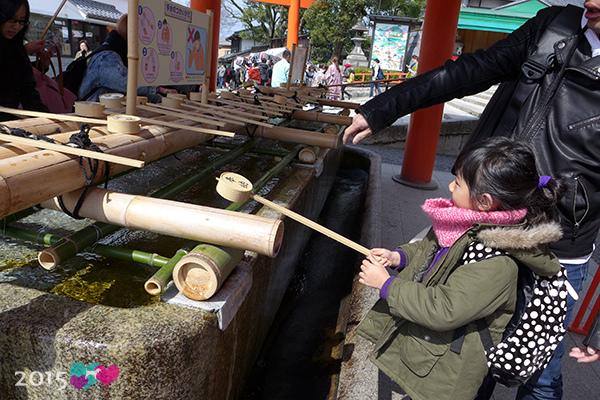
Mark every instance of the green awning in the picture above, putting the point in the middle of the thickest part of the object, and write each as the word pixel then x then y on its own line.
pixel 505 20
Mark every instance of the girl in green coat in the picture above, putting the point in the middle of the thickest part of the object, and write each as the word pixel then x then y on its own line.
pixel 460 271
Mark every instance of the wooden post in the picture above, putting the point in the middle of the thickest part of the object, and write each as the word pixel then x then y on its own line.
pixel 132 56
pixel 439 32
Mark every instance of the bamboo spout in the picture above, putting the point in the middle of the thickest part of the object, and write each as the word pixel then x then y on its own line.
pixel 297 136
pixel 200 223
pixel 199 274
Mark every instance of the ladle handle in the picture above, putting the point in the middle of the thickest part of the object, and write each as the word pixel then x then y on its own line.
pixel 311 224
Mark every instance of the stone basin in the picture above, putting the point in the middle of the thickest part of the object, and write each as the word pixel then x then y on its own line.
pixel 131 345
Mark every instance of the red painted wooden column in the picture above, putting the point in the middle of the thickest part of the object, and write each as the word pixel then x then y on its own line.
pixel 437 44
pixel 293 23
pixel 215 5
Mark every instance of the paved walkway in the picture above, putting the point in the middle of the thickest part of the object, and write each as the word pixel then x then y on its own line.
pixel 402 220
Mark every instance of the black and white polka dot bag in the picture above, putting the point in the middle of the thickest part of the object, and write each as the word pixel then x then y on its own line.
pixel 536 328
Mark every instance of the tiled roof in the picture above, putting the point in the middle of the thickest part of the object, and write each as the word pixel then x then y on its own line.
pixel 97 10
pixel 578 3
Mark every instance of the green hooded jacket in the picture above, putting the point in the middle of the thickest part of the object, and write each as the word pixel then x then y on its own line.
pixel 413 329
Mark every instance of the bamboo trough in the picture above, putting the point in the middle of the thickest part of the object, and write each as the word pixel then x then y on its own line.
pixel 189 221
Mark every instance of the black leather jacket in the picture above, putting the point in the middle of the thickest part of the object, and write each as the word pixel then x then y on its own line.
pixel 565 134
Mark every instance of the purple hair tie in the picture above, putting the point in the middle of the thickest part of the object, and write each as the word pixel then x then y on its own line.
pixel 544 179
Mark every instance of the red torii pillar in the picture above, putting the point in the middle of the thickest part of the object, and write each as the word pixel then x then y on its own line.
pixel 437 44
pixel 293 17
pixel 203 6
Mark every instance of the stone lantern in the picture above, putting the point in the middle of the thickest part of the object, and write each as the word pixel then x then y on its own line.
pixel 357 57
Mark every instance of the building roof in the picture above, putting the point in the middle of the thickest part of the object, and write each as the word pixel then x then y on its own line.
pixel 97 10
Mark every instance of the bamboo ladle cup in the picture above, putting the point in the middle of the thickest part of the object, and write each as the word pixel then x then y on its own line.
pixel 236 188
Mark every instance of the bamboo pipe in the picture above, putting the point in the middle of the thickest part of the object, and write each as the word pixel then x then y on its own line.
pixel 245 106
pixel 337 103
pixel 189 221
pixel 297 136
pixel 151 259
pixel 228 116
pixel 28 179
pixel 60 117
pixel 160 109
pixel 234 187
pixel 42 126
pixel 309 154
pixel 199 274
pixel 52 19
pixel 155 285
pixel 180 126
pixel 227 109
pixel 322 117
pixel 72 150
pixel 71 245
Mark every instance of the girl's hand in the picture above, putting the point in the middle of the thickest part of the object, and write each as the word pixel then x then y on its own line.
pixel 386 258
pixel 372 273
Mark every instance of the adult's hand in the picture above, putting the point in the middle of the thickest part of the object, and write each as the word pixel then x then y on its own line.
pixel 35 46
pixel 585 354
pixel 358 130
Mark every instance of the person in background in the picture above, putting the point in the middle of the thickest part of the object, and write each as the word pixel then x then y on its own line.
pixel 559 124
pixel 18 87
pixel 254 74
pixel 320 75
pixel 107 70
pixel 348 77
pixel 309 76
pixel 221 75
pixel 502 214
pixel 333 76
pixel 263 67
pixel 413 66
pixel 376 74
pixel 84 49
pixel 281 69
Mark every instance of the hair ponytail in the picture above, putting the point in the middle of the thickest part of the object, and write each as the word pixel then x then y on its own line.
pixel 506 169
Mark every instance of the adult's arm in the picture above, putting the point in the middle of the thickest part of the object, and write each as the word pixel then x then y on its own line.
pixel 469 74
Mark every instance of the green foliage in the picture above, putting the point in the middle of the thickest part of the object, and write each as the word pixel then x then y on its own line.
pixel 263 21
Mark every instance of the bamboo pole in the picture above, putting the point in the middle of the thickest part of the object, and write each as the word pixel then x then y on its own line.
pixel 337 103
pixel 160 109
pixel 132 56
pixel 72 150
pixel 28 179
pixel 229 116
pixel 155 285
pixel 199 274
pixel 59 117
pixel 208 59
pixel 245 106
pixel 151 259
pixel 228 109
pixel 233 191
pixel 189 221
pixel 297 136
pixel 322 117
pixel 52 19
pixel 68 247
pixel 180 126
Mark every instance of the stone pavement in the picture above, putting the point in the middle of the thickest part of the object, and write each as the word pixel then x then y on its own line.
pixel 402 220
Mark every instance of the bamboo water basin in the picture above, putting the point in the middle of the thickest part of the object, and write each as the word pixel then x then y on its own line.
pixel 93 309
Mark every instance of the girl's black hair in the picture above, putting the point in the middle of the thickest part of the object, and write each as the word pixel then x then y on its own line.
pixel 506 169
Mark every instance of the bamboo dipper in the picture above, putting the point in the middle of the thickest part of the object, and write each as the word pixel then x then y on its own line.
pixel 236 188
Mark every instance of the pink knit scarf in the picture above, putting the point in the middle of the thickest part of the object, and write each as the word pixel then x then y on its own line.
pixel 450 222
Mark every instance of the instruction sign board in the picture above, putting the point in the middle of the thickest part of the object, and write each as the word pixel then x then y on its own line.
pixel 389 45
pixel 172 44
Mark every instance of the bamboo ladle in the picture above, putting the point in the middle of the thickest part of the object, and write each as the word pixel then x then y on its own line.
pixel 236 188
